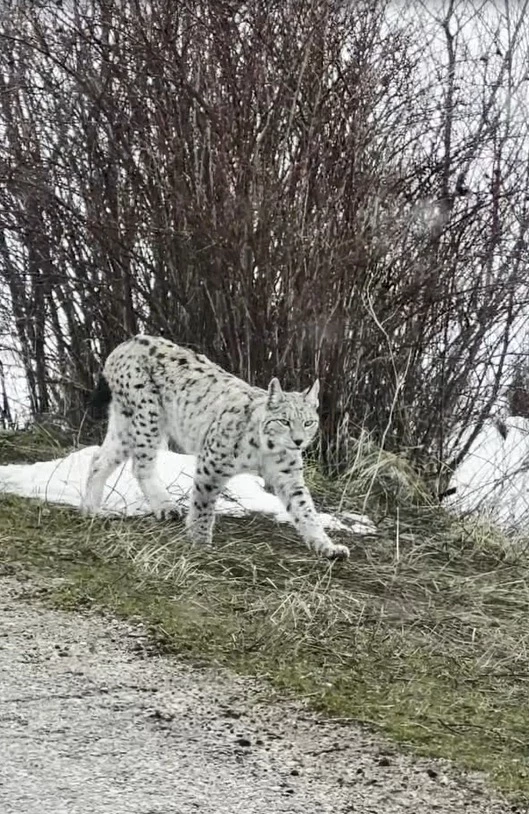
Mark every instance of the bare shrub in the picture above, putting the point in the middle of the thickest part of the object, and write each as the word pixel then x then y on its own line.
pixel 292 187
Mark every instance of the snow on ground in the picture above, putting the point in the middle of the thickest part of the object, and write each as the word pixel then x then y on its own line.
pixel 13 381
pixel 494 478
pixel 63 480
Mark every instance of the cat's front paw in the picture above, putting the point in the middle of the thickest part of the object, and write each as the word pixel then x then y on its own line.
pixel 168 512
pixel 198 534
pixel 323 545
pixel 336 552
pixel 87 507
pixel 199 538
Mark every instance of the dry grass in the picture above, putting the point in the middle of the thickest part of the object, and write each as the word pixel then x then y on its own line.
pixel 424 633
pixel 38 443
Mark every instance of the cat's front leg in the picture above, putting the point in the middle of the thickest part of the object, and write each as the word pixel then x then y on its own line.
pixel 286 476
pixel 209 480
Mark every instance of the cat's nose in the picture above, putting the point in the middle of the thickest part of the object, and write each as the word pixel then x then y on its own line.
pixel 298 441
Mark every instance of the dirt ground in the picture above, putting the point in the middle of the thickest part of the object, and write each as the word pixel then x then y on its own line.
pixel 92 722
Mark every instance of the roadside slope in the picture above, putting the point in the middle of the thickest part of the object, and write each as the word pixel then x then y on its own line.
pixel 92 722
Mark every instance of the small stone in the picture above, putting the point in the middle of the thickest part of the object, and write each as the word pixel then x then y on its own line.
pixel 161 715
pixel 231 713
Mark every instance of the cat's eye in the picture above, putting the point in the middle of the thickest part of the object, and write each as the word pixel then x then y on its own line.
pixel 283 421
pixel 309 423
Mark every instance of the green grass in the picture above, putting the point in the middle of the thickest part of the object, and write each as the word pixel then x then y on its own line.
pixel 423 634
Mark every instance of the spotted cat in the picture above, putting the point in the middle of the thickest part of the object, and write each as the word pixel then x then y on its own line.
pixel 158 391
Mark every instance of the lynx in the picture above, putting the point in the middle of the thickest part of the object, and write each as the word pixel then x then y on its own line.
pixel 159 391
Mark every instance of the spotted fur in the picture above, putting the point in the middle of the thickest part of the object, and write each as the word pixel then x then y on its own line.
pixel 160 391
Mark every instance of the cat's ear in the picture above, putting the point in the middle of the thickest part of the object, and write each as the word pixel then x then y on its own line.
pixel 311 393
pixel 275 394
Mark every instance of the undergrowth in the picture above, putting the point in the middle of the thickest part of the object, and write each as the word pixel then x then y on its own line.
pixel 422 634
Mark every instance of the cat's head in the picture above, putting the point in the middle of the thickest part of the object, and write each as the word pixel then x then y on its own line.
pixel 290 420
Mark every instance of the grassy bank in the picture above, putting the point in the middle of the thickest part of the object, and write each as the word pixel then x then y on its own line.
pixel 423 634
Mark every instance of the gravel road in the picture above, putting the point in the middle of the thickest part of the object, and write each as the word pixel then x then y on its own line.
pixel 92 723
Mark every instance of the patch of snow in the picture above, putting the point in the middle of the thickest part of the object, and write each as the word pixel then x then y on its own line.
pixel 63 480
pixel 13 381
pixel 494 477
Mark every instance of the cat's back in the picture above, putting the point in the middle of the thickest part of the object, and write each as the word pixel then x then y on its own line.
pixel 176 372
pixel 144 352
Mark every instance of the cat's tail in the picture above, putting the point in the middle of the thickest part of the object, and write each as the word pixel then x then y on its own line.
pixel 101 397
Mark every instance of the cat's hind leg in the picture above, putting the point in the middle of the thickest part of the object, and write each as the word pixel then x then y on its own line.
pixel 113 452
pixel 148 439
